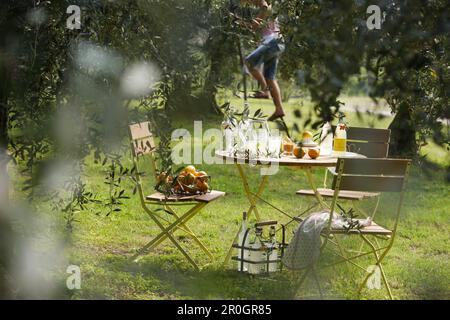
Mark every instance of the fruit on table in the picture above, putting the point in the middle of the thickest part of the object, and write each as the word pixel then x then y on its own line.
pixel 190 169
pixel 202 186
pixel 314 153
pixel 161 177
pixel 202 175
pixel 192 181
pixel 189 179
pixel 164 178
pixel 189 189
pixel 177 188
pixel 307 135
pixel 299 152
pixel 308 139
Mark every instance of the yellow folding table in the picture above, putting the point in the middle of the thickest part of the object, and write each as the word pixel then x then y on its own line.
pixel 307 165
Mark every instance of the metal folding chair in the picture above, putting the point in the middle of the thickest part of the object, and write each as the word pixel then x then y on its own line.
pixel 142 145
pixel 369 142
pixel 366 175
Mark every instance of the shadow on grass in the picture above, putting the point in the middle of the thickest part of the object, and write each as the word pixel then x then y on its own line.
pixel 176 279
pixel 428 285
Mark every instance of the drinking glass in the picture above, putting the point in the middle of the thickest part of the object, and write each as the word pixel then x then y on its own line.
pixel 288 148
pixel 252 147
pixel 263 143
pixel 274 146
pixel 229 140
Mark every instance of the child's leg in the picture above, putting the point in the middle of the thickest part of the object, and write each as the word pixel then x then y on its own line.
pixel 270 70
pixel 253 61
pixel 276 96
pixel 257 74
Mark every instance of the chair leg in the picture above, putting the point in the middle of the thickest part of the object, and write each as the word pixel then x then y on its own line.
pixel 386 283
pixel 357 207
pixel 383 277
pixel 177 245
pixel 302 279
pixel 379 259
pixel 342 251
pixel 166 233
pixel 193 236
pixel 317 283
pixel 364 283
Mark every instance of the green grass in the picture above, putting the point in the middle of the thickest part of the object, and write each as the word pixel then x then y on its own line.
pixel 418 265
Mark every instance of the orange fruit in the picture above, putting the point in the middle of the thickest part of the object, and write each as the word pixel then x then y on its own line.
pixel 314 153
pixel 190 169
pixel 202 175
pixel 299 152
pixel 202 186
pixel 189 179
pixel 161 177
pixel 307 135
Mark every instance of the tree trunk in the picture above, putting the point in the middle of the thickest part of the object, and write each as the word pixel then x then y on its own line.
pixel 4 141
pixel 4 178
pixel 10 29
pixel 210 87
pixel 403 136
pixel 219 50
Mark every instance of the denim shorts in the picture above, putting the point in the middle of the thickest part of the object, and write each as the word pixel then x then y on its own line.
pixel 269 55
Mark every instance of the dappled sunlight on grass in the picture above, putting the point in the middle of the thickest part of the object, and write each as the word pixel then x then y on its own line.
pixel 417 266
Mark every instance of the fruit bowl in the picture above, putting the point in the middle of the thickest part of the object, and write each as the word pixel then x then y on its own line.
pixel 188 182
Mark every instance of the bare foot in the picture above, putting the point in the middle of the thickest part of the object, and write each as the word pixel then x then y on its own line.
pixel 276 115
pixel 261 95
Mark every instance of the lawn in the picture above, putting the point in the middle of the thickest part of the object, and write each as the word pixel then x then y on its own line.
pixel 418 266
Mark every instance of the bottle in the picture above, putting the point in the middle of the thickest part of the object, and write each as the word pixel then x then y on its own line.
pixel 242 252
pixel 272 250
pixel 255 255
pixel 340 136
pixel 326 140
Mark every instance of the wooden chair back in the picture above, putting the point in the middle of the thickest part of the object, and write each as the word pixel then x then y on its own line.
pixel 142 144
pixel 370 142
pixel 141 139
pixel 371 175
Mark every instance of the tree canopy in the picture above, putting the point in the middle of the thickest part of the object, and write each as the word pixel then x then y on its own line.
pixel 54 75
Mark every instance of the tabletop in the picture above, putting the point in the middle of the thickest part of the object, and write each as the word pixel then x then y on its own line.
pixel 289 161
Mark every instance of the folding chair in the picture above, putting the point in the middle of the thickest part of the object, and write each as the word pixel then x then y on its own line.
pixel 142 145
pixel 366 175
pixel 369 142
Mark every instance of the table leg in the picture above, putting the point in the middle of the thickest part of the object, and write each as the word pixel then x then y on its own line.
pixel 312 184
pixel 252 199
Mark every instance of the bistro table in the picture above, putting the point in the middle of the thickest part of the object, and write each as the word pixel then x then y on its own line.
pixel 306 164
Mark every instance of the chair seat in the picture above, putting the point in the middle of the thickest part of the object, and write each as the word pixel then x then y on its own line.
pixel 373 229
pixel 207 197
pixel 343 194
